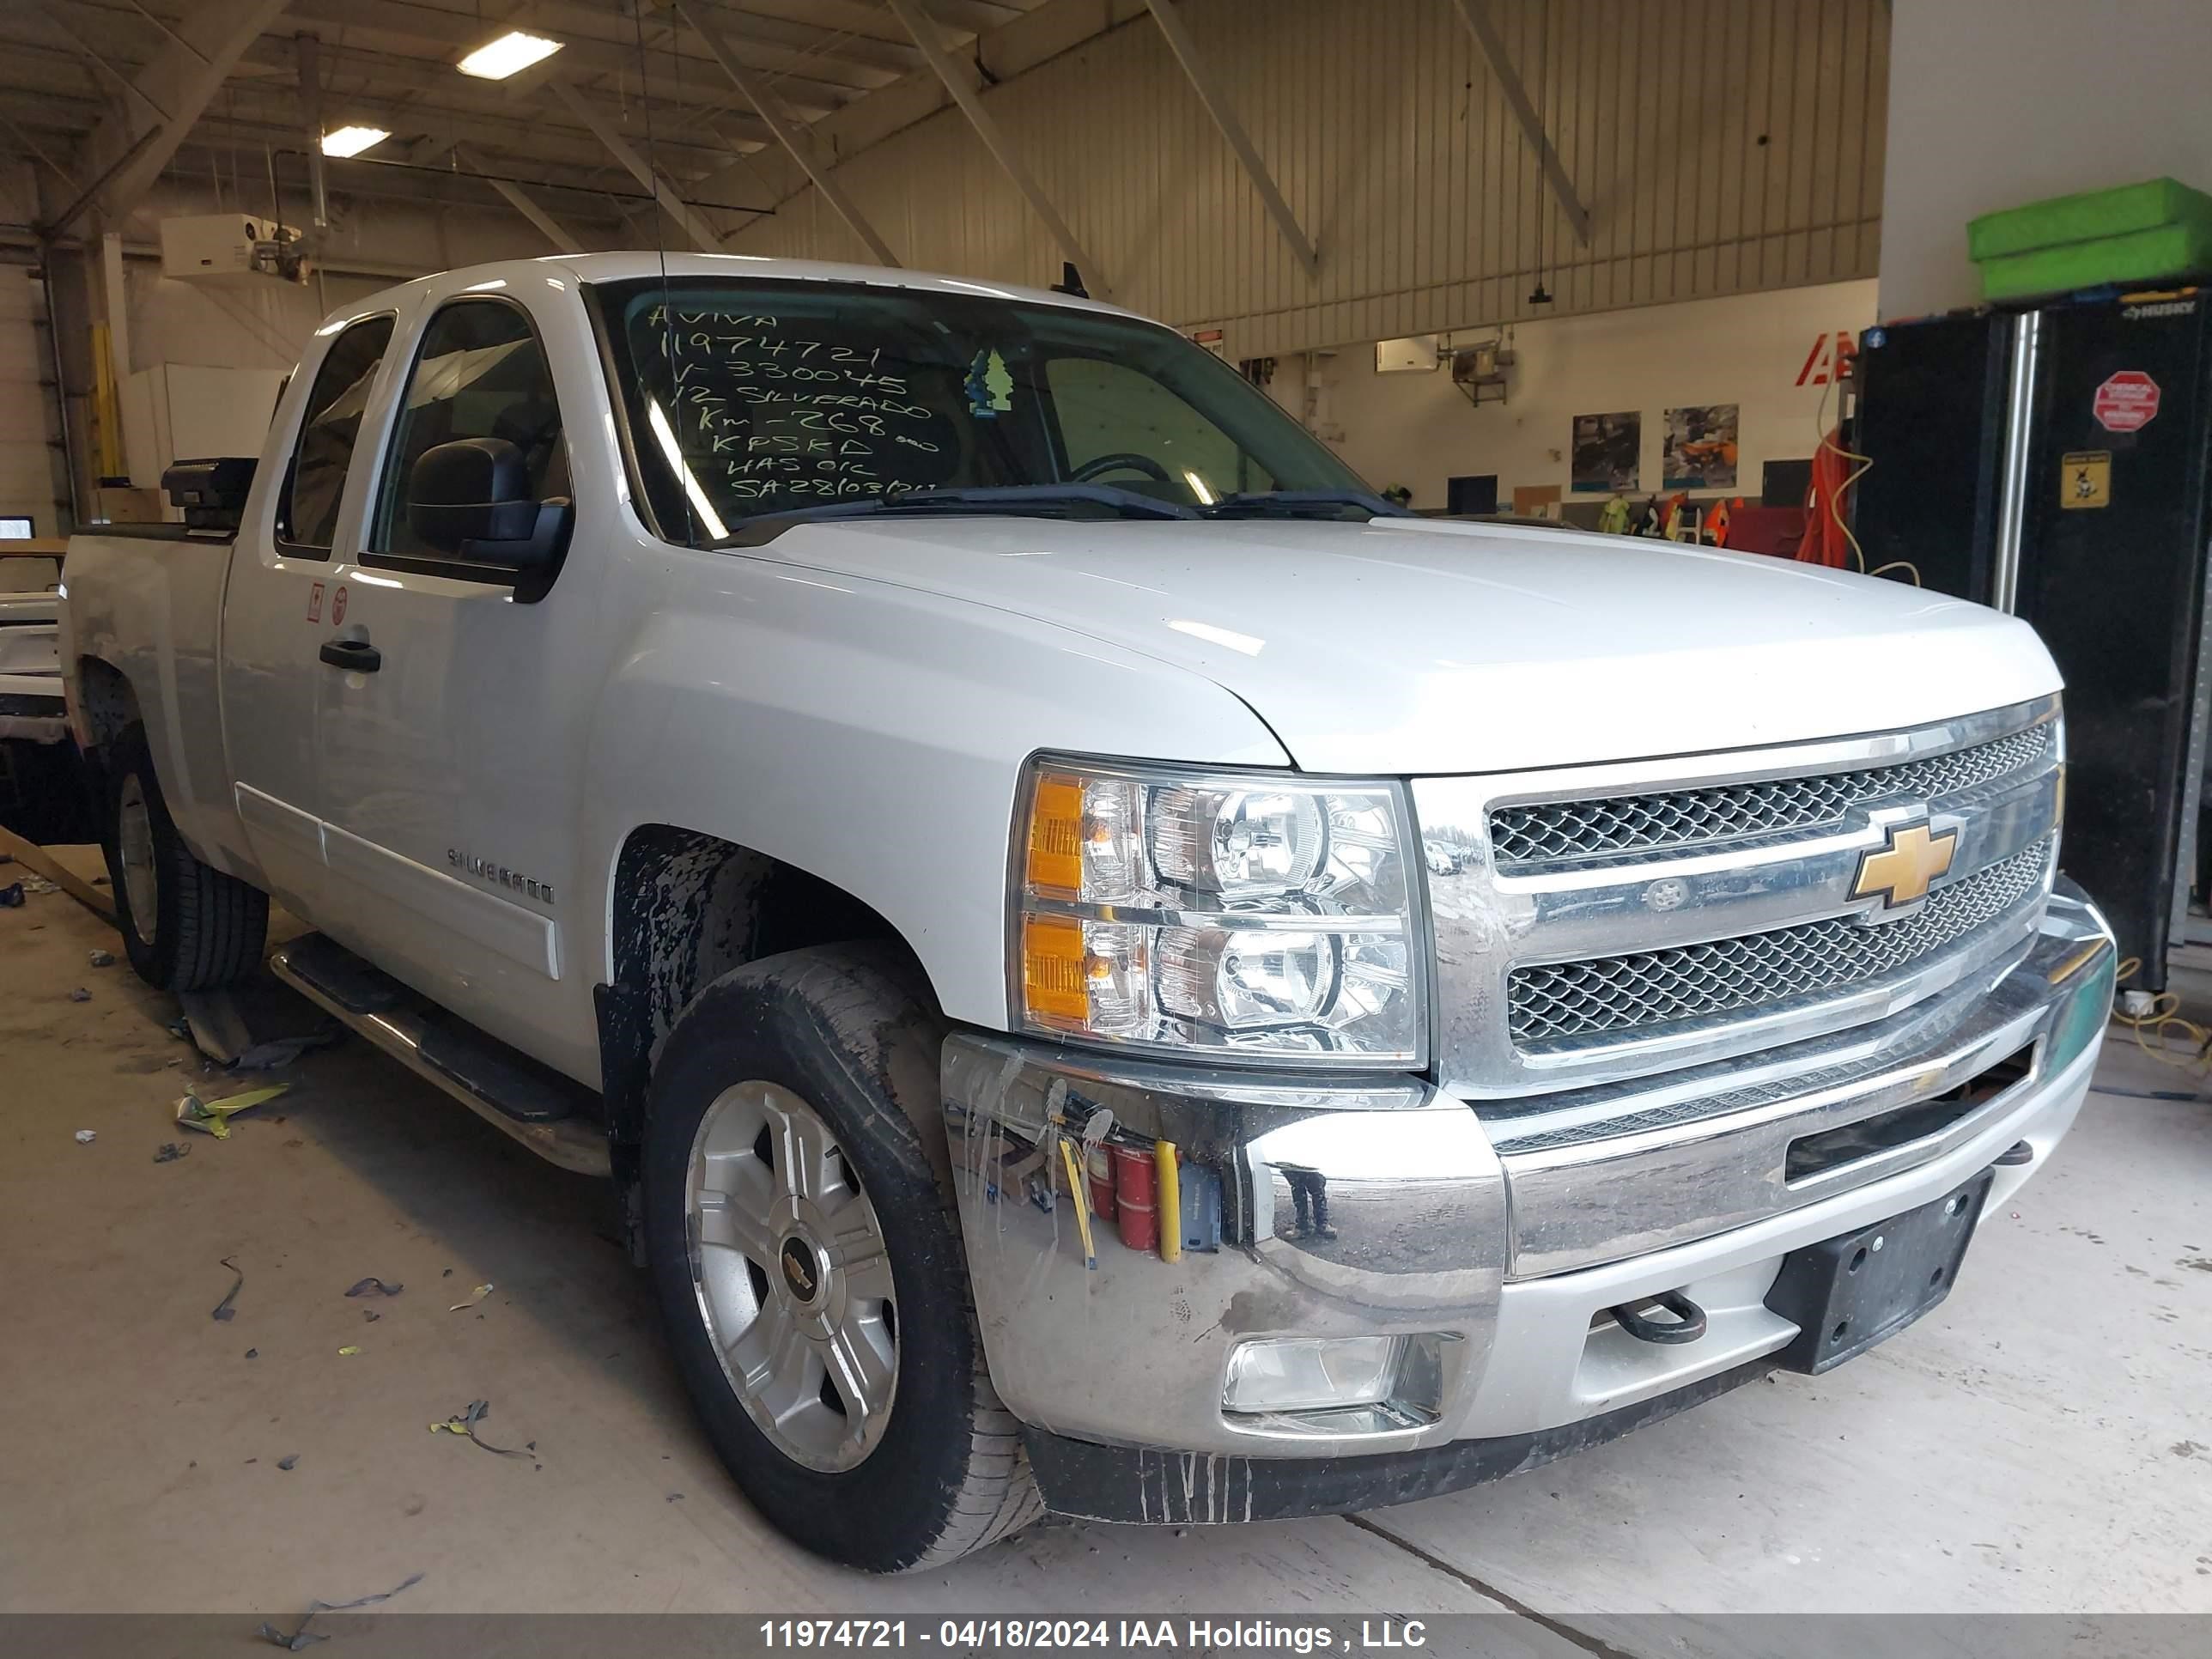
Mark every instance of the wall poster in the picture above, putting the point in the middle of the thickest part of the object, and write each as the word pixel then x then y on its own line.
pixel 1700 447
pixel 1608 451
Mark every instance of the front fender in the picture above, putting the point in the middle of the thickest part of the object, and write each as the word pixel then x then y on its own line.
pixel 872 736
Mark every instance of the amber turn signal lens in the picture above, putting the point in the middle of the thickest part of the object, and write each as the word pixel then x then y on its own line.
pixel 1055 860
pixel 1053 973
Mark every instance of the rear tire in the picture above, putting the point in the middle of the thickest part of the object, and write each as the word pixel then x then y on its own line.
pixel 832 1051
pixel 186 925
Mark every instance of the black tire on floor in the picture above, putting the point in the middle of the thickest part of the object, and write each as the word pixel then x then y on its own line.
pixel 850 1030
pixel 208 928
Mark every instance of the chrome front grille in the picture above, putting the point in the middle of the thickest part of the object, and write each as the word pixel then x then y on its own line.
pixel 1555 1003
pixel 1551 832
pixel 1609 922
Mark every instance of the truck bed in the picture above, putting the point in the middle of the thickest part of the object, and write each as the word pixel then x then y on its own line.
pixel 146 600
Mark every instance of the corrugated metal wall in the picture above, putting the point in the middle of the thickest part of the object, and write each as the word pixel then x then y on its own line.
pixel 1721 146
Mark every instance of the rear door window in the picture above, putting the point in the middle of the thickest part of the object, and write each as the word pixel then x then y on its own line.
pixel 314 481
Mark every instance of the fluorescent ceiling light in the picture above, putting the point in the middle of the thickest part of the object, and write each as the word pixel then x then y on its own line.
pixel 351 141
pixel 510 54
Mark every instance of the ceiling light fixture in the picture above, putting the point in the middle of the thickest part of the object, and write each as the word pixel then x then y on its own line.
pixel 351 141
pixel 510 54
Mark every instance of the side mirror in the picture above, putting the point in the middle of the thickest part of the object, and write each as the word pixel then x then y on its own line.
pixel 471 499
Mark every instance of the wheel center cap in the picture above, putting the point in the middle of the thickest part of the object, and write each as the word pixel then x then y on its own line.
pixel 799 1271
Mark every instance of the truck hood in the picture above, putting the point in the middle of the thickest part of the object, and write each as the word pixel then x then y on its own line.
pixel 1413 646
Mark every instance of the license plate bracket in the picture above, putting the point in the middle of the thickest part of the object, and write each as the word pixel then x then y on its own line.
pixel 1847 1293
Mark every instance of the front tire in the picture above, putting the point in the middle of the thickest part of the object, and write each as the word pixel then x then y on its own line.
pixel 186 924
pixel 806 1256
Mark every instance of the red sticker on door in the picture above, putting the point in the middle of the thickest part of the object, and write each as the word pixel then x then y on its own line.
pixel 315 603
pixel 337 606
pixel 2127 401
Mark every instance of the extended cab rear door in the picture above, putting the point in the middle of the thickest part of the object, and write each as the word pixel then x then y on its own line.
pixel 276 606
pixel 452 735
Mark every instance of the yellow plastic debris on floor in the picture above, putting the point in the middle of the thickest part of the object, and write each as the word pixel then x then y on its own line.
pixel 213 1116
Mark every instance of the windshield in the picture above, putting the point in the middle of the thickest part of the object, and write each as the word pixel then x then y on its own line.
pixel 774 397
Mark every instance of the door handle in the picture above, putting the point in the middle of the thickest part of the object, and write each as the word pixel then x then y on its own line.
pixel 358 656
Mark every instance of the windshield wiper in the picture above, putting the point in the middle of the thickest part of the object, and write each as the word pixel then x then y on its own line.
pixel 1130 503
pixel 1301 503
pixel 1041 501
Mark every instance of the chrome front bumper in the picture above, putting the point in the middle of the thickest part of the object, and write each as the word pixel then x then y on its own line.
pixel 1504 1238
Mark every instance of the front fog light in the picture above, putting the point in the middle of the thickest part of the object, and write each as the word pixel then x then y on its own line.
pixel 1310 1373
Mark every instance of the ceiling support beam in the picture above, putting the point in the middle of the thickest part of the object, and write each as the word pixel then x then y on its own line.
pixel 994 140
pixel 175 38
pixel 513 195
pixel 82 203
pixel 1476 16
pixel 182 78
pixel 799 144
pixel 664 192
pixel 31 147
pixel 387 26
pixel 1217 106
pixel 78 44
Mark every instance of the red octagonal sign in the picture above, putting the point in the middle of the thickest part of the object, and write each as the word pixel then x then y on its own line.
pixel 2127 402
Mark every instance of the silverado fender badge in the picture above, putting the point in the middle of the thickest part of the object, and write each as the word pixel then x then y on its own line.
pixel 499 875
pixel 1899 872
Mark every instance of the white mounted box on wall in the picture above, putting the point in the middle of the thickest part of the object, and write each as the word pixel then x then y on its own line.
pixel 222 246
pixel 1413 354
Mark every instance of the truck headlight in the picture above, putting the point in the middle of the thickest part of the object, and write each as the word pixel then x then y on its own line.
pixel 1236 914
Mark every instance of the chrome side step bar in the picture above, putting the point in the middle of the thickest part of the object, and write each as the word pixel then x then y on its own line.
pixel 549 1114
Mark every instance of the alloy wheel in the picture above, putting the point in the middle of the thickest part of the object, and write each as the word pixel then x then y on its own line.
pixel 793 1276
pixel 142 883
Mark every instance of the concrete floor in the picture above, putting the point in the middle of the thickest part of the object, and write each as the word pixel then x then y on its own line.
pixel 2042 1442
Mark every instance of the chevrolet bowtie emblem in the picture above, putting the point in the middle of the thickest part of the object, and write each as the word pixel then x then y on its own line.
pixel 1899 872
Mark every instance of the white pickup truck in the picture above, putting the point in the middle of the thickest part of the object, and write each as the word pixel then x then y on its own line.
pixel 1113 970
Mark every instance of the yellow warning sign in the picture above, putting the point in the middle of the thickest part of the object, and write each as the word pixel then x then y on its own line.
pixel 2084 479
